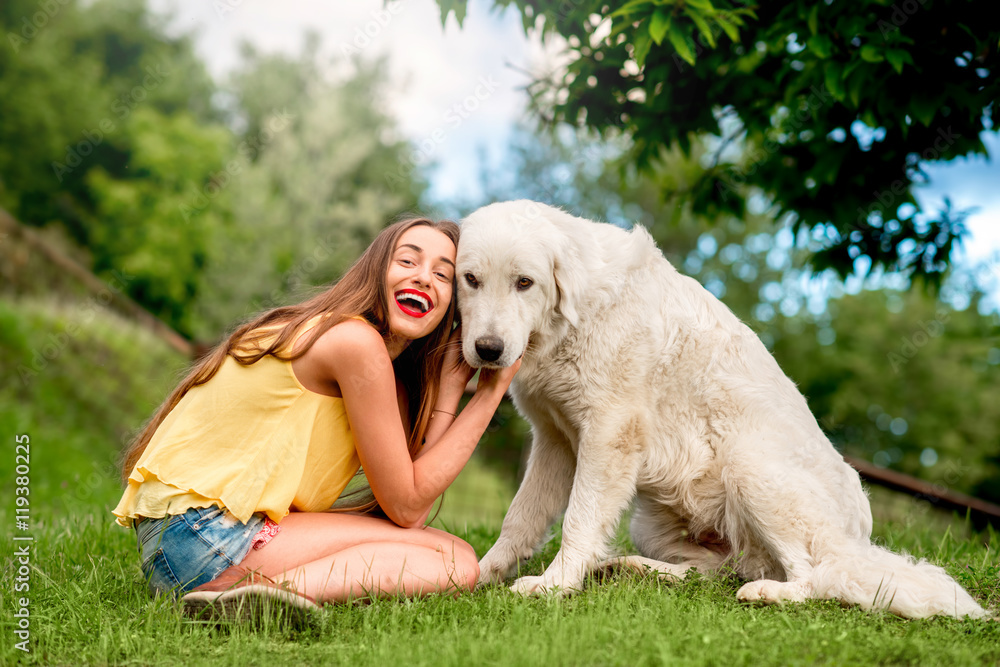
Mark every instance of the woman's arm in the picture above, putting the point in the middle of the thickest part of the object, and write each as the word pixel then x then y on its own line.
pixel 455 376
pixel 353 355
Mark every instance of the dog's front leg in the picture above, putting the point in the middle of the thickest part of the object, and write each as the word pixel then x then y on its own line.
pixel 604 484
pixel 542 496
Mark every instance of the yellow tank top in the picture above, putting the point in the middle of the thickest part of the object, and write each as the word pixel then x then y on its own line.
pixel 251 439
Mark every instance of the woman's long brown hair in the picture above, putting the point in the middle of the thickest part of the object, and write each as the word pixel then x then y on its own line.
pixel 361 291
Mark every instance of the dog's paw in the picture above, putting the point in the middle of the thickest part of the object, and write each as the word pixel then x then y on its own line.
pixel 492 570
pixel 768 591
pixel 530 586
pixel 540 586
pixel 488 578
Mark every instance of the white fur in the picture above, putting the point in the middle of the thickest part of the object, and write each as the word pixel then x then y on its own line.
pixel 642 386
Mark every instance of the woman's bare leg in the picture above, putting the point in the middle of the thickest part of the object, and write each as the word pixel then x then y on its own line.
pixel 379 569
pixel 336 557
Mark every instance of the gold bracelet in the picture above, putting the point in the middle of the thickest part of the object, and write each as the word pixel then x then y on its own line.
pixel 453 414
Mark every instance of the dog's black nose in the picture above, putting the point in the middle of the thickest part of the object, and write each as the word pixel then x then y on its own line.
pixel 489 348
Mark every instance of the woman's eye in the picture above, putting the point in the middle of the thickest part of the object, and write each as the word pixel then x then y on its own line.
pixel 525 283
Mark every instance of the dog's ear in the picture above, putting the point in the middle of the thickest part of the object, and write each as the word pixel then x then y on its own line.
pixel 571 283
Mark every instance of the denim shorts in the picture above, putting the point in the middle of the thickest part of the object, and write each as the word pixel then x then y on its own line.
pixel 183 551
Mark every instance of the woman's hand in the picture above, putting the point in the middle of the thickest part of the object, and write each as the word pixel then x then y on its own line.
pixel 497 379
pixel 455 372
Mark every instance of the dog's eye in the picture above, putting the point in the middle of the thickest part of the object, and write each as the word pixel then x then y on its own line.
pixel 524 283
pixel 471 279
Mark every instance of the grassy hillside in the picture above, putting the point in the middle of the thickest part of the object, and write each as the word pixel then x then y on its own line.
pixel 78 380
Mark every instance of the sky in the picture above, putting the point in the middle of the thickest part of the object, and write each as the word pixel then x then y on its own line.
pixel 457 92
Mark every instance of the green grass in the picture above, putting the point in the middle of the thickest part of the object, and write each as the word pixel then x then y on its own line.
pixel 89 605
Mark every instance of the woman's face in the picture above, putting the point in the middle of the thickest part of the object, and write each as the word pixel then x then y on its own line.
pixel 419 279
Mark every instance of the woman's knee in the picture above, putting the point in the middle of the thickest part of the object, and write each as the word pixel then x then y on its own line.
pixel 469 563
pixel 472 573
pixel 453 543
pixel 466 567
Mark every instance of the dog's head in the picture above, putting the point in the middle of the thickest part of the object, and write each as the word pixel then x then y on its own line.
pixel 519 272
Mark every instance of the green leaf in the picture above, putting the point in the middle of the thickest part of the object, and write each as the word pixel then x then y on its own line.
pixel 703 5
pixel 820 45
pixel 856 86
pixel 702 24
pixel 449 6
pixel 893 57
pixel 924 109
pixel 735 17
pixel 725 22
pixel 680 41
pixel 898 58
pixel 871 54
pixel 813 19
pixel 640 47
pixel 833 76
pixel 659 25
pixel 630 7
pixel 851 66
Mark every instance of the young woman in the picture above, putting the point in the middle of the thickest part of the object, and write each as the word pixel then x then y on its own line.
pixel 230 485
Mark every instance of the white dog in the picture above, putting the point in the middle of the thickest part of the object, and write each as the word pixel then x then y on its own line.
pixel 642 386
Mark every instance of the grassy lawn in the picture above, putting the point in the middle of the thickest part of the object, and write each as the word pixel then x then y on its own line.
pixel 88 603
pixel 89 606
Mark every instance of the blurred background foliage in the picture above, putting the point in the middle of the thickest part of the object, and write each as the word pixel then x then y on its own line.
pixel 206 201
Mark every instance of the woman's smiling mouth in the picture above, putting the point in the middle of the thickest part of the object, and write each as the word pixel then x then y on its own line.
pixel 413 302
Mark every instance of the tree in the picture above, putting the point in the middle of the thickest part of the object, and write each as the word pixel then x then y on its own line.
pixel 139 227
pixel 834 105
pixel 71 76
pixel 106 122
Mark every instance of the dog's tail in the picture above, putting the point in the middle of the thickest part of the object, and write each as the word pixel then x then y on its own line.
pixel 876 578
